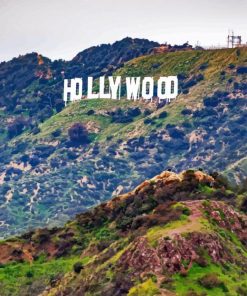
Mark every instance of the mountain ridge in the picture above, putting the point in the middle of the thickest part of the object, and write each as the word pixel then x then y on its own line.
pixel 31 85
pixel 170 230
pixel 50 178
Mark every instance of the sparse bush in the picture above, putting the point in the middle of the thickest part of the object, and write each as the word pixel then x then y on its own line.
pixel 90 112
pixel 25 158
pixel 186 211
pixel 148 121
pixel 156 65
pixel 186 112
pixel 242 290
pixel 124 223
pixel 201 261
pixel 16 127
pixel 36 130
pixel 203 66
pixel 242 70
pixel 124 116
pixel 231 66
pixel 176 133
pixel 44 151
pixel 71 155
pixel 103 244
pixel 210 101
pixel 54 163
pixel 192 292
pixel 4 188
pixel 193 81
pixel 109 138
pixel 59 105
pixel 134 112
pixel 56 133
pixel 78 134
pixel 77 267
pixel 210 281
pixel 163 114
pixel 186 124
pixel 34 161
pixel 29 274
pixel 41 236
pixel 147 112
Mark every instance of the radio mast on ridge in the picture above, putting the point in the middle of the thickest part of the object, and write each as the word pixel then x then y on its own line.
pixel 233 41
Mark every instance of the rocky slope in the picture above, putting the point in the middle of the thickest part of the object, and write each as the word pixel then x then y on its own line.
pixel 175 234
pixel 46 179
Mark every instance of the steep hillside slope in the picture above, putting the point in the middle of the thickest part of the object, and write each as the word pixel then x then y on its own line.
pixel 46 178
pixel 175 234
pixel 31 86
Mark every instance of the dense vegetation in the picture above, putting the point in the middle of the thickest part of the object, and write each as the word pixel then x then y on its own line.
pixel 31 85
pixel 173 234
pixel 94 149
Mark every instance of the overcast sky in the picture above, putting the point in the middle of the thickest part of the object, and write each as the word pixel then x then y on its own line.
pixel 62 28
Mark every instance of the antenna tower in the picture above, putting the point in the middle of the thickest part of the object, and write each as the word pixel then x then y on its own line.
pixel 233 41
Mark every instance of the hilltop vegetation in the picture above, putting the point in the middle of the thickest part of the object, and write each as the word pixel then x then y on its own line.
pixel 46 178
pixel 175 234
pixel 31 85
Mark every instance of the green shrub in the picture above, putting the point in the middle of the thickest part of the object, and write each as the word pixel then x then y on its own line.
pixel 78 133
pixel 29 274
pixel 77 267
pixel 163 114
pixel 186 211
pixel 210 281
pixel 56 133
pixel 242 290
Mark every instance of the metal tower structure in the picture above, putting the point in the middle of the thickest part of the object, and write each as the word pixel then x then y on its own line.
pixel 233 40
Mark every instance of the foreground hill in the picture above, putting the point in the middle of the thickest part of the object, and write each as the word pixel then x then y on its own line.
pixel 175 234
pixel 46 178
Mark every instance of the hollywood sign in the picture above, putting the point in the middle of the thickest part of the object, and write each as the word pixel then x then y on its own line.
pixel 136 88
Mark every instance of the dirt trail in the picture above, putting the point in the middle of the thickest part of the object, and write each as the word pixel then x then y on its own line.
pixel 193 223
pixel 28 256
pixel 196 208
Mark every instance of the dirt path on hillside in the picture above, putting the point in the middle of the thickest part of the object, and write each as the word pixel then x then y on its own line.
pixel 193 223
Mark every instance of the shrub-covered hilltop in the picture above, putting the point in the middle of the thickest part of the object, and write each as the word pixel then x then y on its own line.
pixel 175 234
pixel 95 149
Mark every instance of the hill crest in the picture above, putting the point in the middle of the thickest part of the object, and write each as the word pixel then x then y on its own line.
pixel 150 240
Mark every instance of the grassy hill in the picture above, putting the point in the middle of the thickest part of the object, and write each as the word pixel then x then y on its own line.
pixel 31 85
pixel 46 179
pixel 175 234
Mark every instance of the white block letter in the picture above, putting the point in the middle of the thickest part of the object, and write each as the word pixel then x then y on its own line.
pixel 115 87
pixel 133 88
pixel 148 88
pixel 90 94
pixel 103 95
pixel 173 86
pixel 167 88
pixel 72 92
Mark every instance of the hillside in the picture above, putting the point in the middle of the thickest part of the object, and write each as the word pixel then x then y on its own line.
pixel 46 179
pixel 31 85
pixel 175 234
